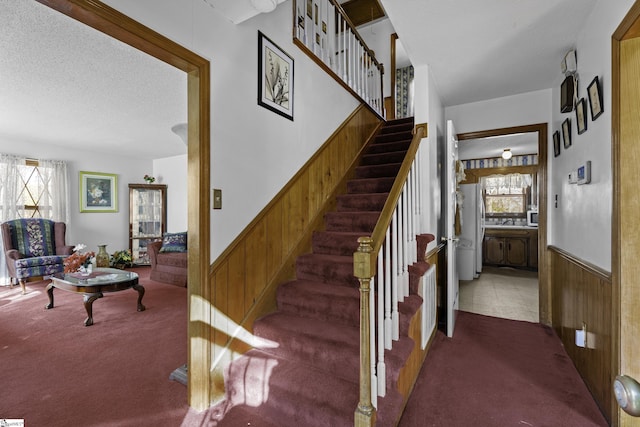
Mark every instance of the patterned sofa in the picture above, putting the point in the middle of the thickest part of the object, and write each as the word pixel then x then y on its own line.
pixel 34 247
pixel 169 259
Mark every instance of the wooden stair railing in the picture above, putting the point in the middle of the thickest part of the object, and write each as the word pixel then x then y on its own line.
pixel 383 259
pixel 322 29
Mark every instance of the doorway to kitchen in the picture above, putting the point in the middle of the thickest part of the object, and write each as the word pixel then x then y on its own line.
pixel 501 289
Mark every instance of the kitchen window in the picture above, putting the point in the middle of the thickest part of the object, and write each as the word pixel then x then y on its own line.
pixel 507 195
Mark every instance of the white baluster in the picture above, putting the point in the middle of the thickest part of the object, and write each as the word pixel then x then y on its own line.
pixel 405 243
pixel 380 367
pixel 387 290
pixel 372 343
pixel 394 274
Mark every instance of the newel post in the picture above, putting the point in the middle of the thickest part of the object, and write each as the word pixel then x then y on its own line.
pixel 364 269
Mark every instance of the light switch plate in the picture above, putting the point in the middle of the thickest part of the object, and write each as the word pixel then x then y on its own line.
pixel 217 198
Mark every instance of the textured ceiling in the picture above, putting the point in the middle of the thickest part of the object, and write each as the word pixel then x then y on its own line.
pixel 65 84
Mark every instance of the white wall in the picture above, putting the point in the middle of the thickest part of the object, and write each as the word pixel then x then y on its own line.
pixel 254 152
pixel 516 110
pixel 428 109
pixel 582 222
pixel 172 171
pixel 92 229
pixel 377 36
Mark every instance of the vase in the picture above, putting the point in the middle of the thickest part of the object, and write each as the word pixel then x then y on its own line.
pixel 102 257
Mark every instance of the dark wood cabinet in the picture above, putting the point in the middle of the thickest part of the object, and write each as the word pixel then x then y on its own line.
pixel 511 247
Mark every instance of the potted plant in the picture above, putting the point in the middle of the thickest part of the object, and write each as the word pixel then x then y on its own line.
pixel 121 259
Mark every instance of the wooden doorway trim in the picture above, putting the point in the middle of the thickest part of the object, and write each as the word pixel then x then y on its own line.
pixel 544 279
pixel 625 131
pixel 119 26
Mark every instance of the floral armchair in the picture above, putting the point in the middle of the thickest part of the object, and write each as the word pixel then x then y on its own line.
pixel 34 247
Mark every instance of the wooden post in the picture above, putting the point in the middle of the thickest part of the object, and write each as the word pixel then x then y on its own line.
pixel 364 269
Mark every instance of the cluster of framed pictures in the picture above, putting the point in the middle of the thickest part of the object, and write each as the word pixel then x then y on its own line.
pixel 594 93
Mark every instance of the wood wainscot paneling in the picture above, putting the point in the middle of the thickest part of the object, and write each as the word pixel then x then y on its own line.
pixel 245 277
pixel 582 299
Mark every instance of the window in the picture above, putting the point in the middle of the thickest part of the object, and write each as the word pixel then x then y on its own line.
pixel 506 195
pixel 32 201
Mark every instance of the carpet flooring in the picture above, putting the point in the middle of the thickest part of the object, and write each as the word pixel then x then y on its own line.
pixel 497 372
pixel 57 372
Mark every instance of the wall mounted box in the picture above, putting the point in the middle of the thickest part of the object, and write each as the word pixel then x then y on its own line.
pixel 566 95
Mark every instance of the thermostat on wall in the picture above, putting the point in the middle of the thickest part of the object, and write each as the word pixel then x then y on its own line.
pixel 584 173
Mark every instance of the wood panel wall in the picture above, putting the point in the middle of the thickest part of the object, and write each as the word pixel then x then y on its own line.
pixel 582 296
pixel 246 275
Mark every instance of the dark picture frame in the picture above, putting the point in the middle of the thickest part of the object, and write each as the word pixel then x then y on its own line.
pixel 566 132
pixel 556 144
pixel 581 116
pixel 98 192
pixel 595 98
pixel 275 78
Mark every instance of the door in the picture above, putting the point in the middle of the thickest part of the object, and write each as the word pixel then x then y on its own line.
pixel 451 237
pixel 516 254
pixel 494 250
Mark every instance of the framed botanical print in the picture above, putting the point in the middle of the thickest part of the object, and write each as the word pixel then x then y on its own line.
pixel 595 98
pixel 581 116
pixel 98 192
pixel 556 144
pixel 275 78
pixel 566 132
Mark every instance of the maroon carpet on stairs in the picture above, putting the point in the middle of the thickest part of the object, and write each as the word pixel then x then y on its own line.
pixel 497 372
pixel 57 372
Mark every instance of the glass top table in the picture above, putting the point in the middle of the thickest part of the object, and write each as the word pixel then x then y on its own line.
pixel 93 285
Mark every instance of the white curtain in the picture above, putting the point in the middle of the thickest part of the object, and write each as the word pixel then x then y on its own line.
pixel 9 179
pixel 56 188
pixel 54 193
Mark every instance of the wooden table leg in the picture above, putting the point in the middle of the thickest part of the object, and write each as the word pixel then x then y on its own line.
pixel 140 290
pixel 88 305
pixel 50 293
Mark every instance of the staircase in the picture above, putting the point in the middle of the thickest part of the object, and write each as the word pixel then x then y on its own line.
pixel 311 376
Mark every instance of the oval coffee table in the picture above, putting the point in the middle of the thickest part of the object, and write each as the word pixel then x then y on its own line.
pixel 93 285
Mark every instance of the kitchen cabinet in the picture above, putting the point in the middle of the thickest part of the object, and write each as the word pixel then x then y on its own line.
pixel 147 218
pixel 514 247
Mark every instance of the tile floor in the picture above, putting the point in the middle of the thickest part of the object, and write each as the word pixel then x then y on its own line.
pixel 502 292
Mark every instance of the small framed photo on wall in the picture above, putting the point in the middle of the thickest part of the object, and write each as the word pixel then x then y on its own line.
pixel 595 98
pixel 581 116
pixel 556 144
pixel 566 132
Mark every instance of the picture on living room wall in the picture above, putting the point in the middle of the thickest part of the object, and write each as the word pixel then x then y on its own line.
pixel 581 116
pixel 595 98
pixel 98 192
pixel 556 144
pixel 275 78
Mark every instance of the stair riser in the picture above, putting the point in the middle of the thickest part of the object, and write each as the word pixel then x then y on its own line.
pixel 383 158
pixel 391 137
pixel 408 127
pixel 361 202
pixel 327 243
pixel 378 171
pixel 359 186
pixel 341 309
pixel 388 147
pixel 338 358
pixel 325 272
pixel 348 221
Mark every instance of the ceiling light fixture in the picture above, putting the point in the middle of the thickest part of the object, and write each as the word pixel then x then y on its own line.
pixel 264 6
pixel 181 130
pixel 507 154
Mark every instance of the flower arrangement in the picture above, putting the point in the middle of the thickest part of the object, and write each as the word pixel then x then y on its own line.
pixel 79 260
pixel 121 258
pixel 149 179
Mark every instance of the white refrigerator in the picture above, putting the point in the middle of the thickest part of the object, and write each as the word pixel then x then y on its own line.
pixel 469 254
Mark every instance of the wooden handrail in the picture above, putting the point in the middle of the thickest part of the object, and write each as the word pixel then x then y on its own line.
pixel 364 269
pixel 420 131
